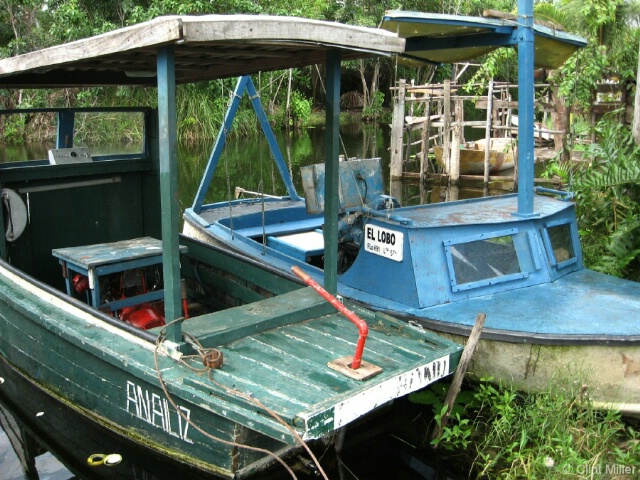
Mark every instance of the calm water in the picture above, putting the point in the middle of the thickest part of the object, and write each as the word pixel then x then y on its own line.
pixel 247 163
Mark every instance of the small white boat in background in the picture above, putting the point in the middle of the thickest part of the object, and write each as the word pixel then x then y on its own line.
pixel 472 156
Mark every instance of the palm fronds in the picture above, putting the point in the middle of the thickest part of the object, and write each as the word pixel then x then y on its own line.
pixel 608 203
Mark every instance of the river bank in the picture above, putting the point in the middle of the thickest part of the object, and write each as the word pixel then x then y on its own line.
pixel 498 432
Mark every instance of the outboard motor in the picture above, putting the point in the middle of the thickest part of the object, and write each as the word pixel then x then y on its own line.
pixel 361 189
pixel 351 230
pixel 385 202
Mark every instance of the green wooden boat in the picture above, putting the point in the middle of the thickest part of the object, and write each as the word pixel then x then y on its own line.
pixel 200 358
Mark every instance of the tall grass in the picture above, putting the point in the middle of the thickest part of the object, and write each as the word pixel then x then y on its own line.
pixel 201 115
pixel 200 111
pixel 555 434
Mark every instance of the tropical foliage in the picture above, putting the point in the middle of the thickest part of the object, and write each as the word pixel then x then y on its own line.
pixel 608 201
pixel 607 189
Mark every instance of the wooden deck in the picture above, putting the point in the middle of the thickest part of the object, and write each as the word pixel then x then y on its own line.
pixel 283 362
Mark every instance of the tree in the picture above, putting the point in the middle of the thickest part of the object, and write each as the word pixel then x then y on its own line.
pixel 21 18
pixel 636 107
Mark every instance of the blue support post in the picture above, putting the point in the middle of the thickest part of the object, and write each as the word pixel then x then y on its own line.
pixel 218 147
pixel 169 190
pixel 244 84
pixel 271 140
pixel 525 109
pixel 66 120
pixel 332 172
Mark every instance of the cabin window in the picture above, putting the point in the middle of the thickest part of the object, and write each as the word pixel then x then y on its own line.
pixel 487 259
pixel 559 243
pixel 20 131
pixel 110 133
pixel 105 133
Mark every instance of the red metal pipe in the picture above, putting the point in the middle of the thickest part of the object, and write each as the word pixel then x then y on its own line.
pixel 363 328
pixel 183 294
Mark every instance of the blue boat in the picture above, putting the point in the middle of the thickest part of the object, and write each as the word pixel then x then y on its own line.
pixel 517 257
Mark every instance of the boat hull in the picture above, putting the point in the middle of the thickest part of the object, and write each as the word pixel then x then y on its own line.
pixel 73 436
pixel 107 379
pixel 551 318
pixel 501 156
pixel 608 376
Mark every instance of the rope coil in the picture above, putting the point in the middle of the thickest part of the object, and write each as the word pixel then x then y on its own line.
pixel 204 354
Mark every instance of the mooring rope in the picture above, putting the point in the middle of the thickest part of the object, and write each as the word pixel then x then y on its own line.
pixel 275 416
pixel 202 354
pixel 199 429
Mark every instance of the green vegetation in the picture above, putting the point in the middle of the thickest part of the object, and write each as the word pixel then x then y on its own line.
pixel 498 432
pixel 607 200
pixel 548 435
pixel 607 191
pixel 606 184
pixel 375 109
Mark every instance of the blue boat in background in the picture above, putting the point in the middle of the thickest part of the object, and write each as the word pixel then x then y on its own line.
pixel 517 257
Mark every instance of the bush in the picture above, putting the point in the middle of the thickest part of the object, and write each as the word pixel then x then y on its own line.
pixel 375 109
pixel 300 109
pixel 554 434
pixel 607 197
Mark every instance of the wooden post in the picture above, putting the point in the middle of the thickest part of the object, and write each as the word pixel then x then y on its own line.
pixel 331 179
pixel 458 376
pixel 487 132
pixel 456 140
pixel 168 189
pixel 424 161
pixel 397 134
pixel 446 141
pixel 508 113
pixel 397 131
pixel 497 120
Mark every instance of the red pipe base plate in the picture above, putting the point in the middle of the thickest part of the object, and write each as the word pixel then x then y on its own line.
pixel 343 365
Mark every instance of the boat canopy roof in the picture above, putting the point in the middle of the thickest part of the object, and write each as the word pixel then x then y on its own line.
pixel 207 47
pixel 437 38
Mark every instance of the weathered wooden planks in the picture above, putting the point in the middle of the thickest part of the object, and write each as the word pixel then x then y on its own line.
pixel 152 33
pixel 287 30
pixel 206 47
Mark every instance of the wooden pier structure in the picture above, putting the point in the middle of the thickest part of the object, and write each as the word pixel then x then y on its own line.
pixel 436 111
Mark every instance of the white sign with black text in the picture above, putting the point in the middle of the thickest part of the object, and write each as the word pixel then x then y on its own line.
pixel 384 242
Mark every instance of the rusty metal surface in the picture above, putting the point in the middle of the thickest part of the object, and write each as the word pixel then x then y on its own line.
pixel 343 366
